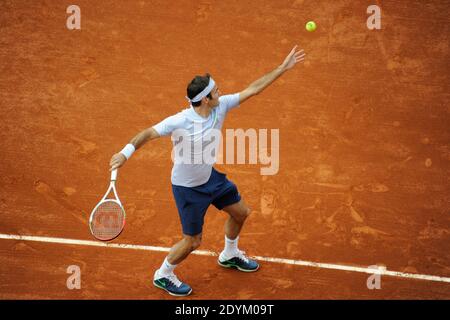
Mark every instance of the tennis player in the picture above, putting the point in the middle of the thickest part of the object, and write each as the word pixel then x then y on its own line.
pixel 197 185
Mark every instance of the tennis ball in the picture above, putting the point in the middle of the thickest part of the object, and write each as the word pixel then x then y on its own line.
pixel 311 26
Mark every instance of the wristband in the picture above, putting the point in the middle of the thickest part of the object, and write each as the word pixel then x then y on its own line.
pixel 128 150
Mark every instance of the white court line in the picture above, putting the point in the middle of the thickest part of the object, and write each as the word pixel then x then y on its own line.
pixel 380 270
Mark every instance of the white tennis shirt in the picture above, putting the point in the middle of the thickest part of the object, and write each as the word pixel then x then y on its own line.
pixel 188 128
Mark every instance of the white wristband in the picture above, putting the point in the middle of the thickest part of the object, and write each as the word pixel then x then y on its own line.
pixel 128 150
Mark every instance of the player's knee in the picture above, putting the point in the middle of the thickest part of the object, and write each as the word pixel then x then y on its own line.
pixel 245 212
pixel 194 242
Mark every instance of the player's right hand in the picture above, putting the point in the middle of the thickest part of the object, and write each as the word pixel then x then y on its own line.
pixel 117 161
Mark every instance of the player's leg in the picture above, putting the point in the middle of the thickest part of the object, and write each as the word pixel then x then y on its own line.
pixel 231 256
pixel 192 205
pixel 165 277
pixel 238 213
pixel 229 200
pixel 183 248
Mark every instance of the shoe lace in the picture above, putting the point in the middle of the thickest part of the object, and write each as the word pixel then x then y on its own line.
pixel 173 279
pixel 241 255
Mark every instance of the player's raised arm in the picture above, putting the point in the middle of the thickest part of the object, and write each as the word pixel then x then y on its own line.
pixel 259 85
pixel 118 159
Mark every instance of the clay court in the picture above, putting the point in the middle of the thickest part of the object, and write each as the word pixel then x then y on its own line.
pixel 364 146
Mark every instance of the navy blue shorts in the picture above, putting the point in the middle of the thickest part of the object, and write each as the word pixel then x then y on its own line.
pixel 193 202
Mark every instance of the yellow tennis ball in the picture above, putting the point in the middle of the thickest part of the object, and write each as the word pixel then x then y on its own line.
pixel 311 26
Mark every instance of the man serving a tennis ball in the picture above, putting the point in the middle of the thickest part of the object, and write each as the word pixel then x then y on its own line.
pixel 197 185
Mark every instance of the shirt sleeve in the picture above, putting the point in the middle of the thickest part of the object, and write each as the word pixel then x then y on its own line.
pixel 168 125
pixel 229 101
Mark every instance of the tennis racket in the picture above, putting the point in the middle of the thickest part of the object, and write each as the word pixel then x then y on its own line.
pixel 108 217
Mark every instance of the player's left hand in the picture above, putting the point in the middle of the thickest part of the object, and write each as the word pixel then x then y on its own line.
pixel 293 57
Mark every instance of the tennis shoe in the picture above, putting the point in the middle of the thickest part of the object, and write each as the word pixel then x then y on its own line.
pixel 171 284
pixel 238 261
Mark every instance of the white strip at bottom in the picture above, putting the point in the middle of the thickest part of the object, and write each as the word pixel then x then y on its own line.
pixel 380 270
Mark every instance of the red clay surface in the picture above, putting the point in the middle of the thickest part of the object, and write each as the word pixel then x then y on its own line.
pixel 364 143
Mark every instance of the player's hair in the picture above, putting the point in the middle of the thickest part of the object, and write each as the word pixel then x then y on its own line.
pixel 196 86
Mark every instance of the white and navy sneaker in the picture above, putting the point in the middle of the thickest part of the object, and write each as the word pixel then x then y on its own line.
pixel 172 285
pixel 239 261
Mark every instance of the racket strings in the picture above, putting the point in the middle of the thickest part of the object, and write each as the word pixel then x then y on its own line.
pixel 108 220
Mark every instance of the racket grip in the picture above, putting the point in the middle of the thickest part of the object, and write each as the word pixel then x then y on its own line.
pixel 114 175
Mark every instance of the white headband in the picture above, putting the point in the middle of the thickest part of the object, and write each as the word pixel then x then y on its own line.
pixel 204 93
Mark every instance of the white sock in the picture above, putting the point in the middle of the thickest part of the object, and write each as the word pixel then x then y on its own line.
pixel 166 268
pixel 231 247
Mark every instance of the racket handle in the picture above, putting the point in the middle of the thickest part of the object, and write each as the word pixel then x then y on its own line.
pixel 114 175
